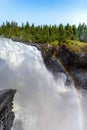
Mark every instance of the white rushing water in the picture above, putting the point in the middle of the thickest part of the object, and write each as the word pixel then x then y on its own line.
pixel 41 102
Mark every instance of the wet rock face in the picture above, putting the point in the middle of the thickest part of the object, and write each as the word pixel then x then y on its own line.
pixel 80 77
pixel 74 63
pixel 6 106
pixel 72 59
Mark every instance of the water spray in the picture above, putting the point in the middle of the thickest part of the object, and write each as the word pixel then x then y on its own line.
pixel 80 109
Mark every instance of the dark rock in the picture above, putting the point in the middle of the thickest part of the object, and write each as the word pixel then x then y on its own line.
pixel 73 64
pixel 6 106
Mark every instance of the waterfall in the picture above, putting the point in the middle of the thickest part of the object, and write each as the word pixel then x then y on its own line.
pixel 42 102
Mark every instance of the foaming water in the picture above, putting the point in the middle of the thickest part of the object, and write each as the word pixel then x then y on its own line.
pixel 41 102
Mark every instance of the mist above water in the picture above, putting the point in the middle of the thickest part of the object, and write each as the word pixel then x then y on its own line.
pixel 41 102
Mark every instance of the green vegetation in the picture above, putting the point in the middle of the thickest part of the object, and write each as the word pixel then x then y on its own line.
pixel 52 34
pixel 76 46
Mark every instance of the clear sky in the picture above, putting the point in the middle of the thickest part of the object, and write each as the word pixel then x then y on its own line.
pixel 44 11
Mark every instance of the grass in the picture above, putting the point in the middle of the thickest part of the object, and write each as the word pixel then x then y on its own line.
pixel 73 45
pixel 76 46
pixel 54 43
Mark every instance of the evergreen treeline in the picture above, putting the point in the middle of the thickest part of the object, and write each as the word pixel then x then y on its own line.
pixel 44 34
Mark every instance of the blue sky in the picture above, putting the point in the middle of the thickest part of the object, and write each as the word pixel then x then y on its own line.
pixel 44 11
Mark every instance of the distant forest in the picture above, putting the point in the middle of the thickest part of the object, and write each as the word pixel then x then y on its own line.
pixel 44 34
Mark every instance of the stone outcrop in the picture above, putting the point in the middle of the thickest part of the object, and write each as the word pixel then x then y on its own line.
pixel 74 63
pixel 6 106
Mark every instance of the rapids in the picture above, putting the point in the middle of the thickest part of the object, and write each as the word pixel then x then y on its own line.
pixel 42 102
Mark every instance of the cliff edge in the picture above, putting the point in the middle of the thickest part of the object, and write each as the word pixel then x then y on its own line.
pixel 73 61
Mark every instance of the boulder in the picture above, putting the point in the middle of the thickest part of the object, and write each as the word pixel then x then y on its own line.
pixel 6 106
